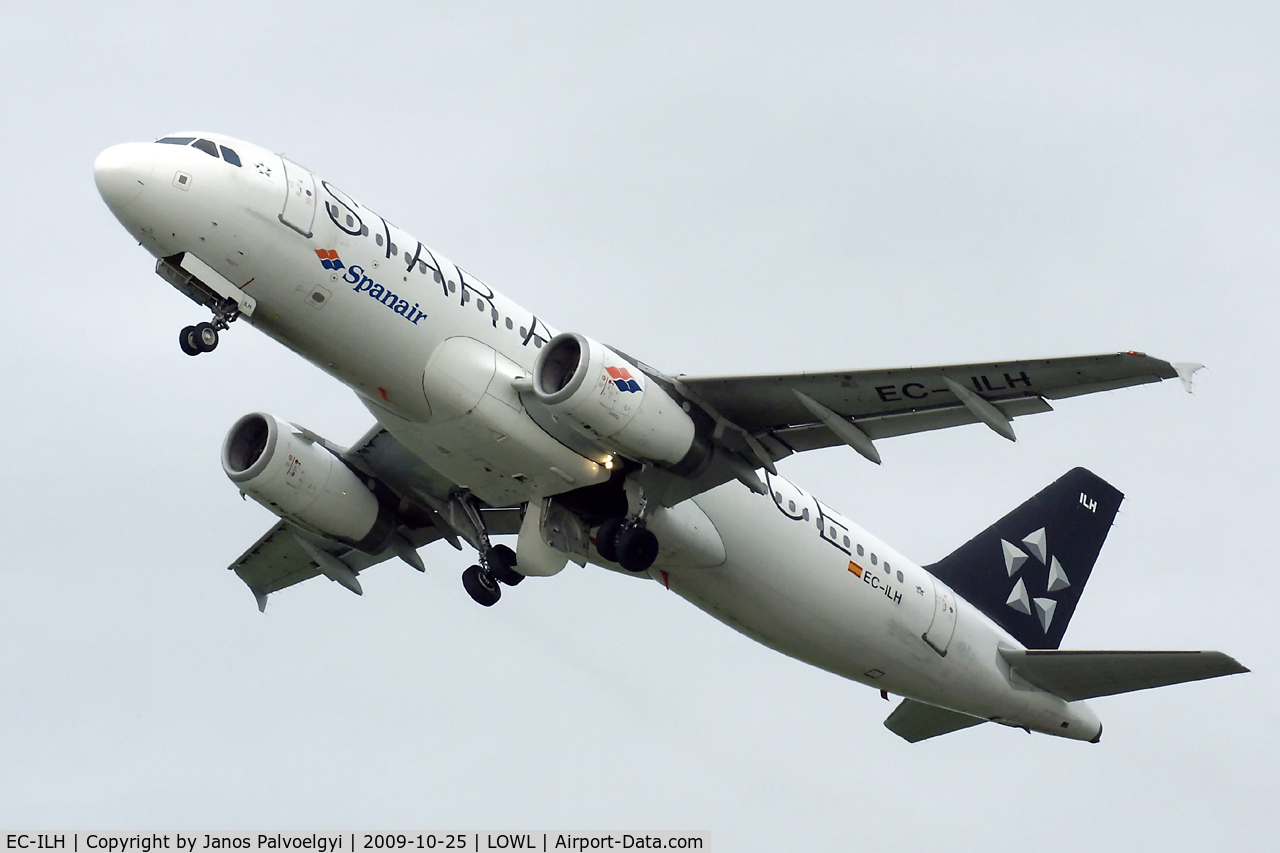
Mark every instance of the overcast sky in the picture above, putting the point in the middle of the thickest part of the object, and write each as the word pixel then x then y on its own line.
pixel 715 188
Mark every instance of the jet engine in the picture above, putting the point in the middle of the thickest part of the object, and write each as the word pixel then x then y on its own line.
pixel 304 483
pixel 608 399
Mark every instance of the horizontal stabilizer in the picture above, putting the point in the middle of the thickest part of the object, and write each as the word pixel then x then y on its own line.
pixel 1087 675
pixel 916 721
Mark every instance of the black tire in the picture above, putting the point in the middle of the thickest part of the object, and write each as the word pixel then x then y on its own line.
pixel 501 560
pixel 187 341
pixel 483 589
pixel 637 549
pixel 206 337
pixel 607 538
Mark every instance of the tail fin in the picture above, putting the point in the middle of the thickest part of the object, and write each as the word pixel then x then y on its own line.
pixel 1027 570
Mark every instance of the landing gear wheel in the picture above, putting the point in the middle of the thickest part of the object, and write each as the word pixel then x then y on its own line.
pixel 482 588
pixel 637 549
pixel 187 340
pixel 501 560
pixel 607 538
pixel 206 337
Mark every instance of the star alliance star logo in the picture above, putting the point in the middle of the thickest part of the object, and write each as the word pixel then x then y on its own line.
pixel 1014 557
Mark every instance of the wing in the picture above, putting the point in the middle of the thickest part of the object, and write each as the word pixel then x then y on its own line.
pixel 288 555
pixel 898 401
pixel 757 420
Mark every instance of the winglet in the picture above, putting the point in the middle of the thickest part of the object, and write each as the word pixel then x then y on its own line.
pixel 261 599
pixel 1186 370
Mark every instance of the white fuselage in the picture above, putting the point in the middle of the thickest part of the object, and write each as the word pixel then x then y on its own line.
pixel 432 352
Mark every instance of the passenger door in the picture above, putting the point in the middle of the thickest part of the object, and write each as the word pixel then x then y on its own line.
pixel 300 198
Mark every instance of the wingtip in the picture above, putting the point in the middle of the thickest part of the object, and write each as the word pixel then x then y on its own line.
pixel 1186 372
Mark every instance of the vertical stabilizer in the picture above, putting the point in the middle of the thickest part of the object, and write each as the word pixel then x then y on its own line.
pixel 1027 570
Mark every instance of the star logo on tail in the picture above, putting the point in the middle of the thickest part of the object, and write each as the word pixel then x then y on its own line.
pixel 1035 549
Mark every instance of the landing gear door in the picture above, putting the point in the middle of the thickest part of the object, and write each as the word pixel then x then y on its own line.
pixel 943 625
pixel 300 198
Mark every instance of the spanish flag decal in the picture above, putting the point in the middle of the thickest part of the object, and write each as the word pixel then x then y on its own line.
pixel 855 568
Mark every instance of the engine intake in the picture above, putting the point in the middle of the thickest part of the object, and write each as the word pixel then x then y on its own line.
pixel 610 400
pixel 304 483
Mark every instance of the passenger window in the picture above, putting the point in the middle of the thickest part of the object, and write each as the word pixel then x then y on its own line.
pixel 177 140
pixel 206 146
pixel 230 156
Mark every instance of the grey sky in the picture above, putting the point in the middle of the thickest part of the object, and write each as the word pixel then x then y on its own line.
pixel 717 189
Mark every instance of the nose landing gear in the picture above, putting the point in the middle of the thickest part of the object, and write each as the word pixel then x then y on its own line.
pixel 203 337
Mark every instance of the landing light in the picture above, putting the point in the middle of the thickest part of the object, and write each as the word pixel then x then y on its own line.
pixel 608 463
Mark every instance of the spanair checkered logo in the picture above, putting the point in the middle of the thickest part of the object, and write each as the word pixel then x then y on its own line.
pixel 621 379
pixel 1037 545
pixel 329 259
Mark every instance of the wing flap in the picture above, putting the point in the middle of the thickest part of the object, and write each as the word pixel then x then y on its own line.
pixel 1073 675
pixel 916 721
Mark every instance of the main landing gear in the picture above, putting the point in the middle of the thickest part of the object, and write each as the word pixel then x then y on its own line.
pixel 483 582
pixel 628 543
pixel 203 337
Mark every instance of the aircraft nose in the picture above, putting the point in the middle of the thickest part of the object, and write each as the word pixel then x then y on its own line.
pixel 122 172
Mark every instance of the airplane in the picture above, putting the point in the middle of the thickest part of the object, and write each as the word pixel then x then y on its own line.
pixel 491 422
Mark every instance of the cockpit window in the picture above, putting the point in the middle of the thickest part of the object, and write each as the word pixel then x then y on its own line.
pixel 206 146
pixel 230 156
pixel 178 140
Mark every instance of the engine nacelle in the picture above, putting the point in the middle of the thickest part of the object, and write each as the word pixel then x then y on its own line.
pixel 304 483
pixel 608 399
